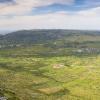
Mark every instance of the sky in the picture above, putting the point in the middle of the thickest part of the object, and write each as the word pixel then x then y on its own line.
pixel 49 14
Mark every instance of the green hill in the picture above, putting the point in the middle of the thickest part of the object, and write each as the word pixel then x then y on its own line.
pixel 50 65
pixel 42 36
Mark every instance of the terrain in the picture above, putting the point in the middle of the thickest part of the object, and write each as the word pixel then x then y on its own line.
pixel 50 65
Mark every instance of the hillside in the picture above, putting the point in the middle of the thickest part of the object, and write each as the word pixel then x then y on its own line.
pixel 50 65
pixel 43 36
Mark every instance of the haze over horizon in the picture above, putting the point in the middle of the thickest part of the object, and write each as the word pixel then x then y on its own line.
pixel 49 14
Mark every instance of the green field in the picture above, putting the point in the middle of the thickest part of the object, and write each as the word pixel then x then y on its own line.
pixel 51 71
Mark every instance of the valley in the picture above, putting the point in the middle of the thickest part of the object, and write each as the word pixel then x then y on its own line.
pixel 50 65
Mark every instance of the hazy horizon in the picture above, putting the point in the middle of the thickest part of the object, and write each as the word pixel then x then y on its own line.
pixel 3 32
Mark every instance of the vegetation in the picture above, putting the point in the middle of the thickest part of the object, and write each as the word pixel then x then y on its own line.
pixel 50 65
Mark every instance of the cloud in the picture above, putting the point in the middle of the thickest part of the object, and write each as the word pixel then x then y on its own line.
pixel 93 12
pixel 62 20
pixel 20 7
pixel 26 7
pixel 83 19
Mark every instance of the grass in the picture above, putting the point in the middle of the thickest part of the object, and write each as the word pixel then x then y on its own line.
pixel 34 77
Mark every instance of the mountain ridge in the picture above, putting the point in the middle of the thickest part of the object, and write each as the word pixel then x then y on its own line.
pixel 49 37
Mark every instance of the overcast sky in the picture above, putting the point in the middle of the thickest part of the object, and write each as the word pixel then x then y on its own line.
pixel 49 14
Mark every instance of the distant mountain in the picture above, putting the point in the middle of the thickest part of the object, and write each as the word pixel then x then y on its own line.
pixel 3 32
pixel 48 37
